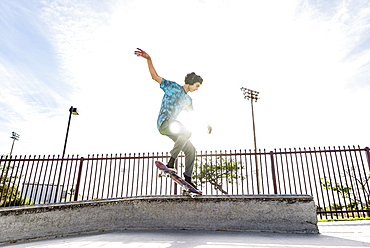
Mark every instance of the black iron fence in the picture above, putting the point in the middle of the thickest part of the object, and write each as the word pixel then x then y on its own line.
pixel 338 178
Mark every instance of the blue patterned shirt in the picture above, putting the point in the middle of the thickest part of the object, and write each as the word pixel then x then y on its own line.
pixel 175 100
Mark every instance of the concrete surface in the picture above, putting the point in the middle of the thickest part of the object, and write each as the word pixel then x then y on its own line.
pixel 333 235
pixel 269 213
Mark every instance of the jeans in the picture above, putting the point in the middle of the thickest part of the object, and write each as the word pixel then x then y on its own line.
pixel 180 135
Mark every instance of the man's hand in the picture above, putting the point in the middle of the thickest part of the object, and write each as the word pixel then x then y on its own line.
pixel 141 53
pixel 209 129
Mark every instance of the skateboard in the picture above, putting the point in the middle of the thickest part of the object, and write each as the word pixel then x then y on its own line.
pixel 187 188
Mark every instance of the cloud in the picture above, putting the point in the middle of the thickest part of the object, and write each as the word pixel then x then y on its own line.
pixel 31 87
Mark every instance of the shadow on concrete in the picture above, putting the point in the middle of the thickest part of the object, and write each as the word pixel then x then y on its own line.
pixel 344 234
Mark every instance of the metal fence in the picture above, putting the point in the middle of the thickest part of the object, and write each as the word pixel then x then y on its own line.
pixel 338 178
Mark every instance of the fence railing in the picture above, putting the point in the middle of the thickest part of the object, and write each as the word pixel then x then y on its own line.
pixel 338 178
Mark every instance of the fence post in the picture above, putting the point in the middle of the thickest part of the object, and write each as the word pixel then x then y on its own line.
pixel 175 184
pixel 367 156
pixel 273 172
pixel 78 179
pixel 368 163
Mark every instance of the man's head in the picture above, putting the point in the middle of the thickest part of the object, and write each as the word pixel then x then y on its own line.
pixel 192 82
pixel 192 78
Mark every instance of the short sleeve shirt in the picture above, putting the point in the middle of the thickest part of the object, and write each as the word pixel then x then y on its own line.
pixel 175 100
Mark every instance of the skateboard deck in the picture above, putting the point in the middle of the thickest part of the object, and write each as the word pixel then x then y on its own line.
pixel 187 188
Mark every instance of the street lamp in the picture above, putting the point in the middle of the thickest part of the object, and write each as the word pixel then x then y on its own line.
pixel 72 111
pixel 15 137
pixel 253 96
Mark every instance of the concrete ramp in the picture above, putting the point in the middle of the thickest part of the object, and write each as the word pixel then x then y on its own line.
pixel 267 213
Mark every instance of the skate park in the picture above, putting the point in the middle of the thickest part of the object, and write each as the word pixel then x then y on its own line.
pixel 284 92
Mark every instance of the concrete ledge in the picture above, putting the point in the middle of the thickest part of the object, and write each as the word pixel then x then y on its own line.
pixel 268 213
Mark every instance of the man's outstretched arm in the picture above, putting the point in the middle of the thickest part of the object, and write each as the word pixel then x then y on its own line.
pixel 141 53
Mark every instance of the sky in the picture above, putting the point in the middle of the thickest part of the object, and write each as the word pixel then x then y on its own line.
pixel 309 60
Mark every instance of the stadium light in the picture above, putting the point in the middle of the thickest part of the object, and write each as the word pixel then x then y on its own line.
pixel 15 137
pixel 253 97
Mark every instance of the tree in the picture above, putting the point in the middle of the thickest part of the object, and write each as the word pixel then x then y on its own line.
pixel 348 192
pixel 216 171
pixel 9 193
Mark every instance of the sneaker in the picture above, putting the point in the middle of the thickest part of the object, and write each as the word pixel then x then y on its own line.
pixel 188 179
pixel 171 165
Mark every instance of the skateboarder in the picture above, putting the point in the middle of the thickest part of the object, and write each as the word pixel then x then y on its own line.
pixel 175 100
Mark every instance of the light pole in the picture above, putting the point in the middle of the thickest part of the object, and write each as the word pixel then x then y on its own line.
pixel 253 96
pixel 72 111
pixel 15 137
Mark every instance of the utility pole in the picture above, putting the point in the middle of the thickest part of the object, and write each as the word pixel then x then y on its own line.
pixel 253 96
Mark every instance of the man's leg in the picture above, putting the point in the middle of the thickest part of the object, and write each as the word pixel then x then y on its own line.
pixel 182 143
pixel 179 134
pixel 189 151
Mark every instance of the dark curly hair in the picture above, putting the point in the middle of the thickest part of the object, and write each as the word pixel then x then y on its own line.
pixel 192 78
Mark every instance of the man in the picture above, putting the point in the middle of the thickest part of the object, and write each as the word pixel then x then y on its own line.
pixel 175 100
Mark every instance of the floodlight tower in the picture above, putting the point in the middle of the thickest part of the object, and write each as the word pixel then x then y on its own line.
pixel 15 137
pixel 253 96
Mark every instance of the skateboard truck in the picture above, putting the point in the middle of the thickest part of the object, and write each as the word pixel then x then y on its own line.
pixel 163 174
pixel 188 193
pixel 167 173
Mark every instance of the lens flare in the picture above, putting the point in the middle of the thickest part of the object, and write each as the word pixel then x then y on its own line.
pixel 175 127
